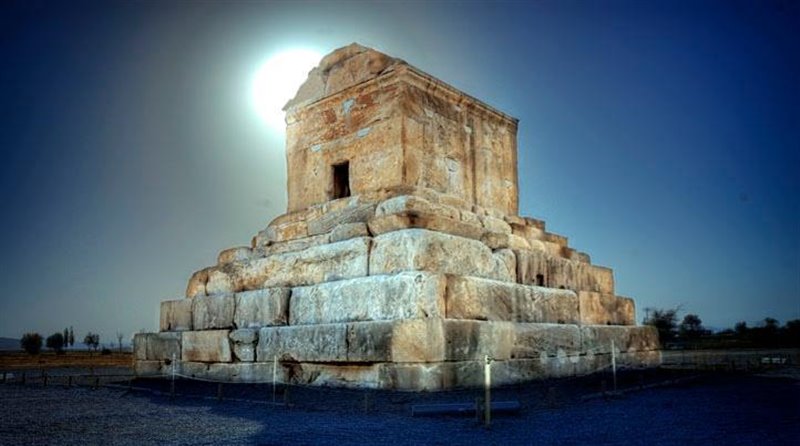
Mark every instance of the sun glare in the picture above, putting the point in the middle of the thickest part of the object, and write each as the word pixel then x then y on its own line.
pixel 277 81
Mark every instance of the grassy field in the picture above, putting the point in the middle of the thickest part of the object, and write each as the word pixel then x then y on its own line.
pixel 45 360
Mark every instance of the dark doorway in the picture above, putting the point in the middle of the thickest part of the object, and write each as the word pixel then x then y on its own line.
pixel 341 180
pixel 539 280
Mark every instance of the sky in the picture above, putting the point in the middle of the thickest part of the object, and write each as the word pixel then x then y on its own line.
pixel 663 138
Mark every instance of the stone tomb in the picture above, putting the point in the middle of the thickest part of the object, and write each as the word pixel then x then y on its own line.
pixel 401 260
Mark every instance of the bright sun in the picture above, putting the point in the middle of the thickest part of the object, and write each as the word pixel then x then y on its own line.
pixel 277 81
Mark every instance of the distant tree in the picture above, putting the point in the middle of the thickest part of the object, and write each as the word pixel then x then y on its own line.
pixel 92 341
pixel 691 327
pixel 119 340
pixel 66 338
pixel 792 329
pixel 31 343
pixel 55 342
pixel 740 328
pixel 665 321
pixel 71 337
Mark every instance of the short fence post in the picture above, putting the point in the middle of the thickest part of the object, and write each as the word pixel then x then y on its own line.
pixel 274 375
pixel 23 378
pixel 366 402
pixel 69 381
pixel 44 378
pixel 487 371
pixel 219 392
pixel 172 381
pixel 4 377
pixel 614 364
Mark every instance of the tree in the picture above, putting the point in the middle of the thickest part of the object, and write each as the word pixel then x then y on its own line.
pixel 793 332
pixel 31 343
pixel 66 338
pixel 665 321
pixel 119 340
pixel 740 328
pixel 55 342
pixel 691 327
pixel 92 340
pixel 71 337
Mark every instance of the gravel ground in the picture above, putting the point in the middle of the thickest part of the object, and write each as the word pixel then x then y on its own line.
pixel 715 409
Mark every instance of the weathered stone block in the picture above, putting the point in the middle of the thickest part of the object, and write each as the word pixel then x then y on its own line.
pixel 241 372
pixel 606 309
pixel 357 213
pixel 598 338
pixel 293 245
pixel 163 346
pixel 147 368
pixel 501 240
pixel 261 308
pixel 471 340
pixel 140 346
pixel 234 254
pixel 244 343
pixel 493 300
pixel 197 283
pixel 206 346
pixel 421 220
pixel 536 340
pixel 498 225
pixel 219 282
pixel 335 261
pixel 406 204
pixel 176 315
pixel 210 312
pixel 304 343
pixel 419 249
pixel 419 377
pixel 555 272
pixel 413 340
pixel 346 231
pixel 407 295
pixel 287 231
pixel 380 341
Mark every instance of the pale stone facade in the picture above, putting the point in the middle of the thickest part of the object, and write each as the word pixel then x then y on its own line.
pixel 401 261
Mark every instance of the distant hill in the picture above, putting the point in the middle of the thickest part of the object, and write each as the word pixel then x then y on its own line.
pixel 9 344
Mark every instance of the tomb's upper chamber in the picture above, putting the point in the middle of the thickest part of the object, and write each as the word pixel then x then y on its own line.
pixel 366 124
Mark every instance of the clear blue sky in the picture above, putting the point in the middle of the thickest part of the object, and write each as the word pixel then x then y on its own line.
pixel 663 138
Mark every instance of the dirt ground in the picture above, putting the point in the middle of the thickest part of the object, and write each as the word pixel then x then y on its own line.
pixel 712 408
pixel 49 360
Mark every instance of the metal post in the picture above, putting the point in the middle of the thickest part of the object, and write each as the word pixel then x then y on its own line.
pixel 4 377
pixel 44 378
pixel 69 381
pixel 274 375
pixel 614 363
pixel 366 402
pixel 219 392
pixel 172 381
pixel 487 372
pixel 23 378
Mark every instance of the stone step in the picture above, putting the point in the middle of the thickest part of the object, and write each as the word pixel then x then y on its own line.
pixel 407 295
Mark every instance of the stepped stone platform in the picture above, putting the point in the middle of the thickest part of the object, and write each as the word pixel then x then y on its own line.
pixel 401 261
